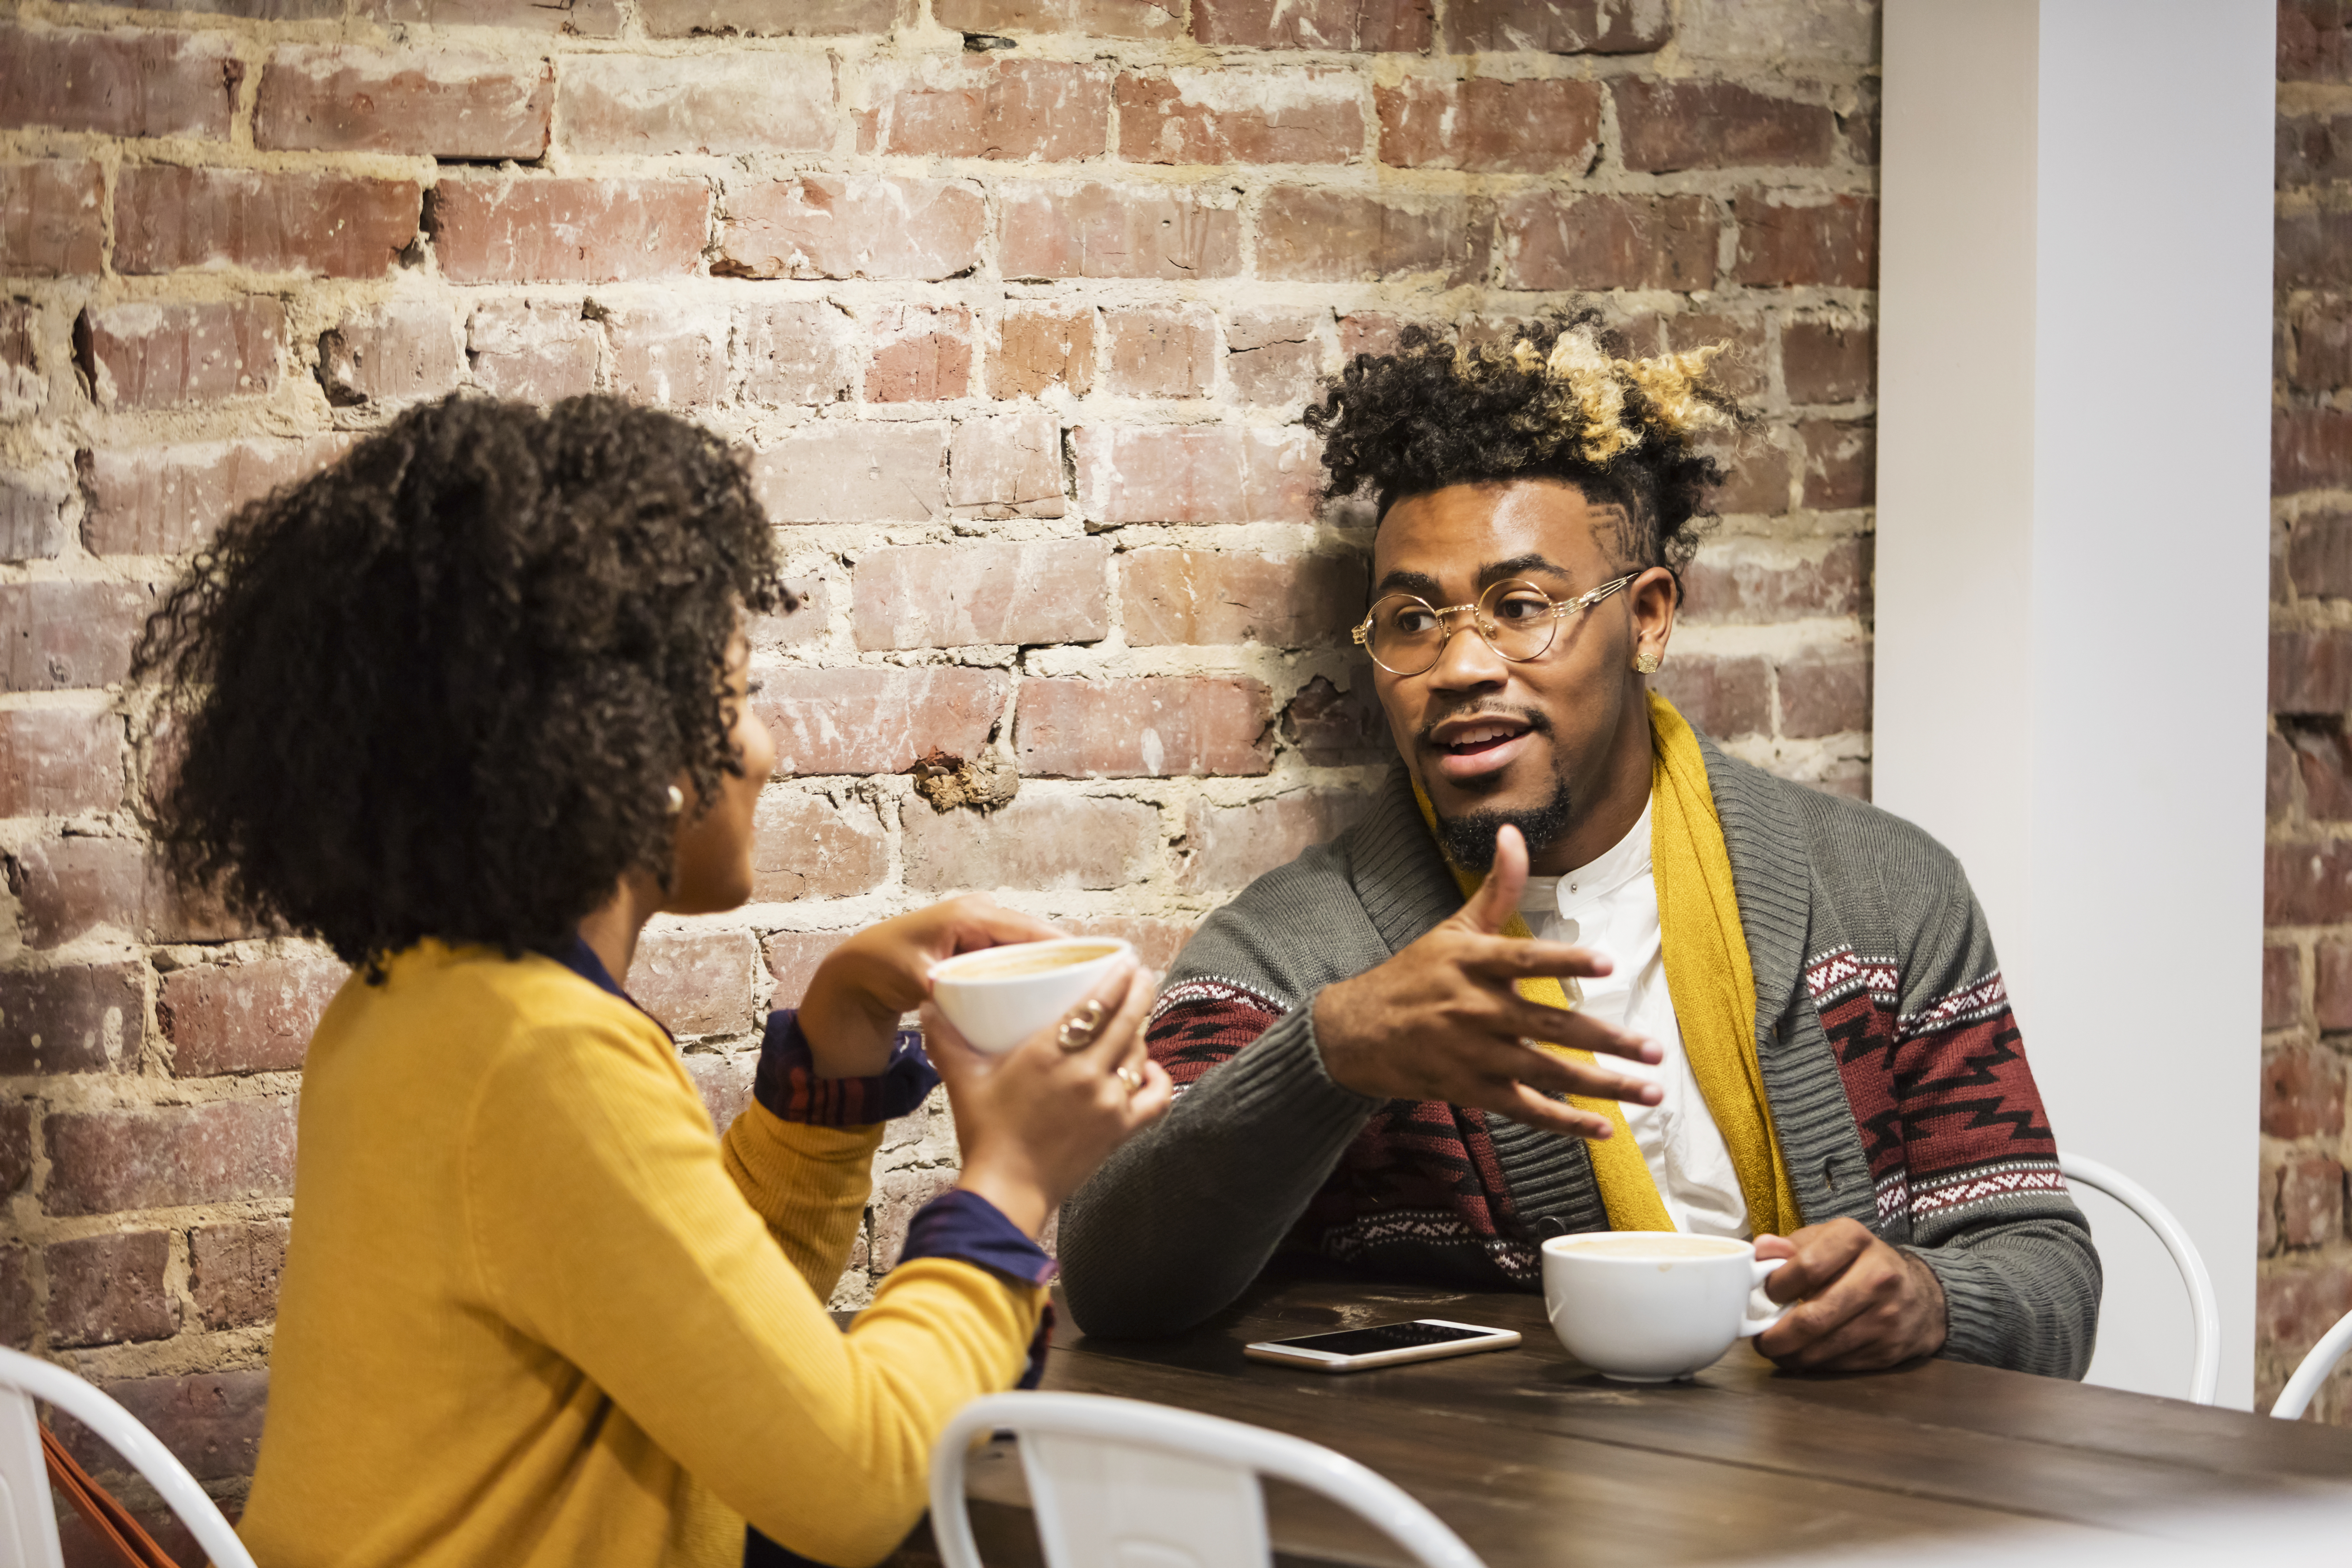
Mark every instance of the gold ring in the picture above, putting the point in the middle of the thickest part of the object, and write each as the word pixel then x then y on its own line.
pixel 1129 1077
pixel 1077 1030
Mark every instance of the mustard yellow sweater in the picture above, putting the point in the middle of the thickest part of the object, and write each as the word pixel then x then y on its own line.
pixel 535 1312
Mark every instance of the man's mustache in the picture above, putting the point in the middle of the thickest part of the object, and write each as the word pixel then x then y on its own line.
pixel 1534 719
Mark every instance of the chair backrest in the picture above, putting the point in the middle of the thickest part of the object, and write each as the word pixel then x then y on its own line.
pixel 2204 1310
pixel 1120 1483
pixel 2297 1396
pixel 28 1524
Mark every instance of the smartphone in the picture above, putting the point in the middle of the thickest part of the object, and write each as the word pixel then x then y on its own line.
pixel 1386 1344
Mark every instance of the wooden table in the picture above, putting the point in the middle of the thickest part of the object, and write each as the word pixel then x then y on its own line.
pixel 1533 1459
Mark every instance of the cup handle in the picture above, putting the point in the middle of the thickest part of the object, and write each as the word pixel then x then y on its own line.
pixel 1750 1327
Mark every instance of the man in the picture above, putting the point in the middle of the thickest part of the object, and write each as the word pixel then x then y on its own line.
pixel 1792 1024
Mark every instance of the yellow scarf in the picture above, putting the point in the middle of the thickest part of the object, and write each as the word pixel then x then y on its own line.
pixel 1710 981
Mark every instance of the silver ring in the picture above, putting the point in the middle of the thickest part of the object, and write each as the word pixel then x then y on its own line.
pixel 1129 1077
pixel 1077 1031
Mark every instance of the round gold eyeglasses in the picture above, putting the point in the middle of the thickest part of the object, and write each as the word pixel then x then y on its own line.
pixel 1406 635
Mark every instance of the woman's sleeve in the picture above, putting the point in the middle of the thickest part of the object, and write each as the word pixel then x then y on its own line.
pixel 607 1224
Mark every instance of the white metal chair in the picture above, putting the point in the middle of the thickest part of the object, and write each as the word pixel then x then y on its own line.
pixel 2204 1310
pixel 28 1523
pixel 2297 1396
pixel 1120 1483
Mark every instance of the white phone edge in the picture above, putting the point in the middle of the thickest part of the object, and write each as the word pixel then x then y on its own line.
pixel 1490 1339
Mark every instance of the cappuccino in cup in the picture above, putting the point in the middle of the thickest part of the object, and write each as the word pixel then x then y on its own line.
pixel 1651 1306
pixel 999 996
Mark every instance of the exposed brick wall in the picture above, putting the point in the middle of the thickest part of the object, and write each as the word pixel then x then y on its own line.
pixel 1013 303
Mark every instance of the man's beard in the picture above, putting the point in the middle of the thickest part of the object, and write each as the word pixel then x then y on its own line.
pixel 1469 839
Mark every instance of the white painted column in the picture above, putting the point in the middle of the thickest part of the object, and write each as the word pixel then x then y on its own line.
pixel 2073 576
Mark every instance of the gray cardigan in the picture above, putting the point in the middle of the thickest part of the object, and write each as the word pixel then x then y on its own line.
pixel 1920 1121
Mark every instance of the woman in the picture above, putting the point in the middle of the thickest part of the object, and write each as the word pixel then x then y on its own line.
pixel 471 707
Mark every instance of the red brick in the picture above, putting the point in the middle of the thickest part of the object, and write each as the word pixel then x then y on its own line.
pixel 210 1421
pixel 1036 843
pixel 23 389
pixel 764 18
pixel 1552 241
pixel 16 1297
pixel 1119 231
pixel 1829 362
pixel 1841 463
pixel 51 226
pixel 1738 369
pixel 32 518
pixel 119 83
pixel 802 847
pixel 1339 236
pixel 1155 727
pixel 792 958
pixel 2279 792
pixel 539 351
pixel 310 223
pixel 1230 846
pixel 66 634
pixel 65 886
pixel 2325 758
pixel 1206 597
pixel 2310 449
pixel 2311 670
pixel 1097 19
pixel 1366 26
pixel 1006 465
pixel 852 226
pixel 2303 1091
pixel 2315 41
pixel 105 1290
pixel 898 1194
pixel 2309 250
pixel 397 352
pixel 1825 693
pixel 2312 148
pixel 233 1271
pixel 802 351
pixel 724 1081
pixel 153 356
pixel 695 980
pixel 1162 351
pixel 1331 728
pixel 169 1156
pixel 2307 884
pixel 878 720
pixel 1042 346
pixel 1760 472
pixel 954 596
pixel 2266 1237
pixel 2283 986
pixel 1669 125
pixel 245 1018
pixel 1539 126
pixel 1195 474
pixel 573 19
pixel 1375 332
pixel 802 627
pixel 1233 116
pixel 840 471
pixel 1724 696
pixel 921 353
pixel 1557 26
pixel 1052 110
pixel 2321 333
pixel 82 1017
pixel 1786 237
pixel 167 500
pixel 338 98
pixel 1157 942
pixel 2331 993
pixel 746 101
pixel 547 230
pixel 2319 555
pixel 1726 585
pixel 58 762
pixel 1273 357
pixel 669 354
pixel 2311 1202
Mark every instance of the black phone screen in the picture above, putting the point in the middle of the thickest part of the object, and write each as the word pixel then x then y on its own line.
pixel 1385 1337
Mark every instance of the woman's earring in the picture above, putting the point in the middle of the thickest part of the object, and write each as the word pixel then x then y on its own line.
pixel 1645 662
pixel 676 800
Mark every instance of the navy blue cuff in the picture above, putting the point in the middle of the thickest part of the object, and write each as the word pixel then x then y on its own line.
pixel 787 1083
pixel 966 1226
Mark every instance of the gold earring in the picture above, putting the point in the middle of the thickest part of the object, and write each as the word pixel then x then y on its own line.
pixel 1645 662
pixel 676 800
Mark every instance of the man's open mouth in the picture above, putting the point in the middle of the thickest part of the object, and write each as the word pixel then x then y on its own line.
pixel 1476 737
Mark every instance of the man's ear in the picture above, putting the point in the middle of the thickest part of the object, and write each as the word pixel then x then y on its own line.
pixel 1654 598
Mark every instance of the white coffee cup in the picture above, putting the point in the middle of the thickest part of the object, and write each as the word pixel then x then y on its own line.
pixel 999 996
pixel 1646 1306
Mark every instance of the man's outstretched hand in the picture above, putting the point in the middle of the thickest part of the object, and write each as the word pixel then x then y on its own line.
pixel 1861 1306
pixel 1442 1021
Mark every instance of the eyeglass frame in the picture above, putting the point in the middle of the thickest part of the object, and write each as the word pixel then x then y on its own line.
pixel 1361 634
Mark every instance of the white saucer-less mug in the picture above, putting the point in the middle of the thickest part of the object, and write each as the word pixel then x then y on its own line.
pixel 999 996
pixel 1651 1306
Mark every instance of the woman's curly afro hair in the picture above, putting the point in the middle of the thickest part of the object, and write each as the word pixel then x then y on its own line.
pixel 441 688
pixel 1426 415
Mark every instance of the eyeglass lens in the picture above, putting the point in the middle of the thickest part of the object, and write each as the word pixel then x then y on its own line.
pixel 1515 617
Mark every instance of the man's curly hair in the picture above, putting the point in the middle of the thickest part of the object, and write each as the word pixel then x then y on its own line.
pixel 1426 415
pixel 441 688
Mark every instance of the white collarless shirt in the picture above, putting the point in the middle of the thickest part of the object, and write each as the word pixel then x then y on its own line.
pixel 1611 906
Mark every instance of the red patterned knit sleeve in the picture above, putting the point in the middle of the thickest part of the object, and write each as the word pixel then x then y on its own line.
pixel 1197 1024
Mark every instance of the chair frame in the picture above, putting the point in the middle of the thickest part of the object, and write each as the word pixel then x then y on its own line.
pixel 2204 1309
pixel 27 1512
pixel 2304 1386
pixel 1136 1423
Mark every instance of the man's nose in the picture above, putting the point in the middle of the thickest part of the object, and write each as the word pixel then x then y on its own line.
pixel 1466 661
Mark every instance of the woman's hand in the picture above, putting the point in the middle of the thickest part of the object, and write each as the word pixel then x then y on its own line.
pixel 851 1012
pixel 1035 1123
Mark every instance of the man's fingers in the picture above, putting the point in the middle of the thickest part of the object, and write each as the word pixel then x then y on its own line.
pixel 1490 908
pixel 1521 1019
pixel 1822 1253
pixel 1547 1072
pixel 1525 1106
pixel 1511 958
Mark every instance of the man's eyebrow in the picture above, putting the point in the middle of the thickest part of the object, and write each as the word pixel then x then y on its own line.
pixel 1519 566
pixel 1420 584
